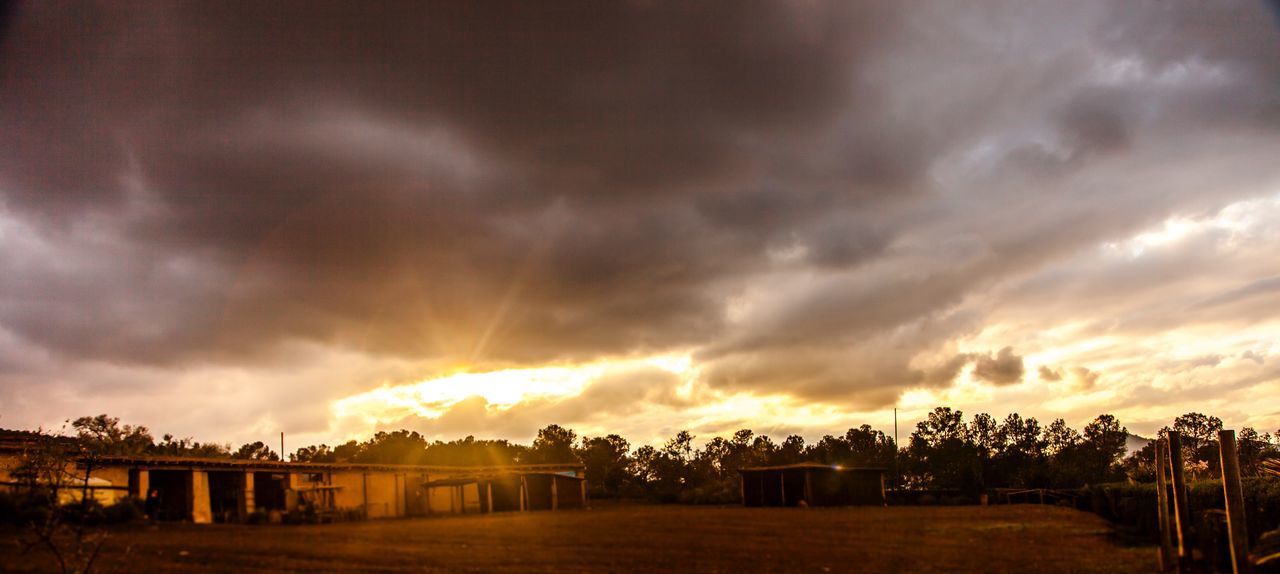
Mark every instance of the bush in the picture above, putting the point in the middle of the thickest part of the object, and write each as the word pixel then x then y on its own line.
pixel 258 516
pixel 88 511
pixel 1136 506
pixel 21 509
pixel 124 511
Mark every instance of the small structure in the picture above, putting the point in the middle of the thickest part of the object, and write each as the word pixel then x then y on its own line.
pixel 812 484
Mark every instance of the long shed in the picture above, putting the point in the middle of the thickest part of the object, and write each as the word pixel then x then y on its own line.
pixel 812 484
pixel 206 490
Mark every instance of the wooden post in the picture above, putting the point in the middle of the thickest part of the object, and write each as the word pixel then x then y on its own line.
pixel 1167 560
pixel 524 503
pixel 885 499
pixel 1234 496
pixel 1181 510
pixel 582 486
pixel 488 487
pixel 782 479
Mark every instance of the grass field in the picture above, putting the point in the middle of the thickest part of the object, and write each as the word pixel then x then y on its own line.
pixel 643 539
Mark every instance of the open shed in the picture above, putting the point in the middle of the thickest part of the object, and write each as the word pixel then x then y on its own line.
pixel 812 484
pixel 506 491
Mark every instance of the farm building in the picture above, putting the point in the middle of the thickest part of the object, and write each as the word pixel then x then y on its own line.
pixel 812 484
pixel 205 490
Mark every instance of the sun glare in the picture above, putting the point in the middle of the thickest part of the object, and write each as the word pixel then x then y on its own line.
pixel 501 389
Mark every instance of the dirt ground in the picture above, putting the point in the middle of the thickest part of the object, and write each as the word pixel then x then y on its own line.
pixel 640 539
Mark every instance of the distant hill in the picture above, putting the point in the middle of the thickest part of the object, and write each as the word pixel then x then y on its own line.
pixel 1134 443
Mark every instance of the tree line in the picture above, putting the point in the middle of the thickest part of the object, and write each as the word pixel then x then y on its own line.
pixel 945 452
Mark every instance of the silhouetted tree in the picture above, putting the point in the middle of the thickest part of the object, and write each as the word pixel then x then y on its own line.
pixel 398 447
pixel 255 451
pixel 105 435
pixel 186 447
pixel 791 451
pixel 608 465
pixel 1252 449
pixel 321 453
pixel 472 452
pixel 553 444
pixel 1060 438
pixel 1199 443
pixel 941 456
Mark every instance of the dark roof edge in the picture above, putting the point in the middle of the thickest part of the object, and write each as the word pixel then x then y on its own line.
pixel 169 461
pixel 813 465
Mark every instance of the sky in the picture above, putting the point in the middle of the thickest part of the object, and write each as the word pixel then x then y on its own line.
pixel 637 217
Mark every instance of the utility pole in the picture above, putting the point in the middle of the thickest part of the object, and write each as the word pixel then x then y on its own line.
pixel 282 446
pixel 896 486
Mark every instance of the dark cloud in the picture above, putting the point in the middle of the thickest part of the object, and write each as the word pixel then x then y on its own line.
pixel 946 373
pixel 388 175
pixel 1003 368
pixel 1050 375
pixel 817 199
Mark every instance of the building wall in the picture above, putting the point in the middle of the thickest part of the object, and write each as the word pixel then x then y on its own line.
pixel 108 484
pixel 351 495
pixel 116 475
pixel 384 495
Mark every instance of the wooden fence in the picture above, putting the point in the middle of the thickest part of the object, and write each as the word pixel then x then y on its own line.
pixel 1176 550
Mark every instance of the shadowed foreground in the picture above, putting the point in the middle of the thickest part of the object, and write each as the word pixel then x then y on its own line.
pixel 646 538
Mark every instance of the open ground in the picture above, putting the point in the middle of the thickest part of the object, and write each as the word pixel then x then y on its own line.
pixel 642 538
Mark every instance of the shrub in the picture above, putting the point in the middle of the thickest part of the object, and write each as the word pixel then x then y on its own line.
pixel 21 509
pixel 124 511
pixel 88 512
pixel 1136 506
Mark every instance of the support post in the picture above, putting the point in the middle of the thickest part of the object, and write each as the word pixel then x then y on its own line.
pixel 250 504
pixel 524 502
pixel 488 489
pixel 555 493
pixel 782 479
pixel 1234 496
pixel 582 485
pixel 1181 511
pixel 141 485
pixel 201 513
pixel 1167 559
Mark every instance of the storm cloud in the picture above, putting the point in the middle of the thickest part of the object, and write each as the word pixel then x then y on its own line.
pixel 826 203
